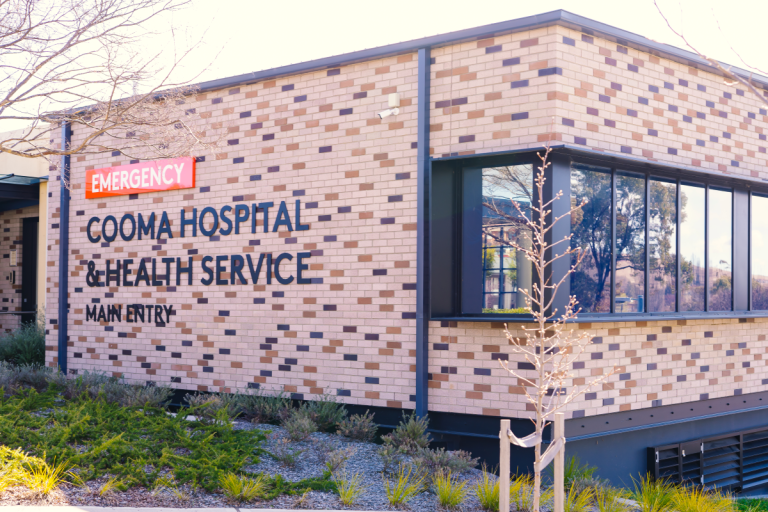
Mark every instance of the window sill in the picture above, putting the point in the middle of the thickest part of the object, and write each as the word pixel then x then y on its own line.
pixel 601 318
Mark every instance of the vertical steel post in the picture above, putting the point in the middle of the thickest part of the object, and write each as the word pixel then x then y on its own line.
pixel 422 236
pixel 66 137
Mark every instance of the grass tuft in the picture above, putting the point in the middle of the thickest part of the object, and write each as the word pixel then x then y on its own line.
pixel 240 488
pixel 696 499
pixel 653 495
pixel 42 478
pixel 450 493
pixel 578 501
pixel 403 487
pixel 610 499
pixel 349 486
pixel 487 491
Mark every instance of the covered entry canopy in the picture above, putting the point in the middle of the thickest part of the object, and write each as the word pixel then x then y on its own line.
pixel 19 191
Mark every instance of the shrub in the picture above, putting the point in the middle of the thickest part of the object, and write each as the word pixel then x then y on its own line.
pixel 404 486
pixel 264 406
pixel 349 487
pixel 210 407
pixel 652 495
pixel 573 470
pixel 487 491
pixel 24 345
pixel 359 427
pixel 284 454
pixel 325 411
pixel 450 493
pixel 390 456
pixel 241 488
pixel 16 377
pixel 436 461
pixel 410 435
pixel 299 425
pixel 610 499
pixel 337 459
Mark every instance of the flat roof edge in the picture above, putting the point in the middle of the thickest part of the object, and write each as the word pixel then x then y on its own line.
pixel 558 17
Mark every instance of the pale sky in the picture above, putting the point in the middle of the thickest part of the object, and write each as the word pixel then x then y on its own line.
pixel 258 35
pixel 241 36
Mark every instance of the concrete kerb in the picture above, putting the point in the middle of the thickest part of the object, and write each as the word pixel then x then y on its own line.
pixel 72 508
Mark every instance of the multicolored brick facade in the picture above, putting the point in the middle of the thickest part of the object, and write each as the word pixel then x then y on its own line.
pixel 315 137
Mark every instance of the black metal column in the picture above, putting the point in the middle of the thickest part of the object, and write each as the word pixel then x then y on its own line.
pixel 422 237
pixel 66 136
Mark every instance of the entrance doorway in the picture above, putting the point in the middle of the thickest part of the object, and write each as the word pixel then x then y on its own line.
pixel 29 269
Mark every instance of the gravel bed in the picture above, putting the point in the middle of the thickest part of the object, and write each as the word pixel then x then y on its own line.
pixel 311 457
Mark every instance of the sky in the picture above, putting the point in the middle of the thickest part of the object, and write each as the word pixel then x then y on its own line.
pixel 251 35
pixel 231 37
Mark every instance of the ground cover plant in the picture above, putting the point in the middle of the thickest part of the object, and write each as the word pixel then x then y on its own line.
pixel 135 444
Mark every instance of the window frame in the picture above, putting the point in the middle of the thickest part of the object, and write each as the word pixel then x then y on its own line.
pixel 558 180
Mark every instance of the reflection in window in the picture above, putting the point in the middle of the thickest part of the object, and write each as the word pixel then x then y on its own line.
pixel 591 231
pixel 662 244
pixel 630 244
pixel 759 252
pixel 506 271
pixel 720 250
pixel 692 230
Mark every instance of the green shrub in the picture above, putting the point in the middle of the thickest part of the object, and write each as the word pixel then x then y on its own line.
pixel 14 378
pixel 299 425
pixel 265 406
pixel 359 427
pixel 439 460
pixel 410 435
pixel 24 345
pixel 209 407
pixel 325 412
pixel 514 311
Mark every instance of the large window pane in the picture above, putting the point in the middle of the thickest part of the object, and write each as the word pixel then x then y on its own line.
pixel 506 271
pixel 630 244
pixel 591 231
pixel 759 253
pixel 692 230
pixel 720 249
pixel 662 244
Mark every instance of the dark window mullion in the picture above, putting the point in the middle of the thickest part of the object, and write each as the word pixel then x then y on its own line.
pixel 646 290
pixel 706 247
pixel 613 241
pixel 749 252
pixel 678 277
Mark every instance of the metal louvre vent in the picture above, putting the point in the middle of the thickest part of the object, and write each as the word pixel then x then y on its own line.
pixel 737 461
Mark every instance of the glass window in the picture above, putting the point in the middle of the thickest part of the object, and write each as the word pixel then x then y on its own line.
pixel 720 249
pixel 662 244
pixel 591 231
pixel 506 271
pixel 630 244
pixel 759 252
pixel 692 229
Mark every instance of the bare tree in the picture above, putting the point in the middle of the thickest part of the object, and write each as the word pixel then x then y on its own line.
pixel 550 345
pixel 82 62
pixel 726 70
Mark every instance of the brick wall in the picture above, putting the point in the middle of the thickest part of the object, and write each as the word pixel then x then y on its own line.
pixel 315 137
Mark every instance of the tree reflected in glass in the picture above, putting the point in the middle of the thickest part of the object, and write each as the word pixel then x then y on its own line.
pixel 662 244
pixel 506 271
pixel 591 231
